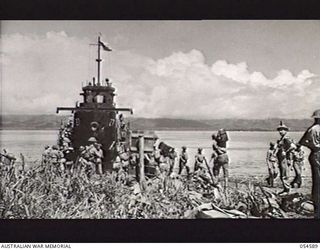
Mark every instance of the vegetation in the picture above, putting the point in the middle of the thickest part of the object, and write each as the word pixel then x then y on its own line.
pixel 43 192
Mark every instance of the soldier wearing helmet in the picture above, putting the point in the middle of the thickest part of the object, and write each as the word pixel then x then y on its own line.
pixel 271 160
pixel 285 146
pixel 183 161
pixel 311 140
pixel 95 155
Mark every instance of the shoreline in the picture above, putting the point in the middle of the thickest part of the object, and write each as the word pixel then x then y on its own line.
pixel 157 129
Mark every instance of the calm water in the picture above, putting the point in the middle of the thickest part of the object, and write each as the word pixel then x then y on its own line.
pixel 247 150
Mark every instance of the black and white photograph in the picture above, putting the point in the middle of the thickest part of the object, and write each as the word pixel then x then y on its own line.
pixel 189 119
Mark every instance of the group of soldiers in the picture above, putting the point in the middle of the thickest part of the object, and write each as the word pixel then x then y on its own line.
pixel 286 153
pixel 164 161
pixel 311 140
pixel 283 156
pixel 90 158
pixel 56 156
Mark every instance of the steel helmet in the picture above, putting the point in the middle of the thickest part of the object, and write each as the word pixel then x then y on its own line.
pixel 92 139
pixel 316 114
pixel 282 126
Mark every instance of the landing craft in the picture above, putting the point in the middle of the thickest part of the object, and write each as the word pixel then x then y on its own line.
pixel 98 116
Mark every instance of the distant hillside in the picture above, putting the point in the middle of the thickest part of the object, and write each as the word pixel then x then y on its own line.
pixel 49 122
pixel 168 124
pixel 259 125
pixel 32 122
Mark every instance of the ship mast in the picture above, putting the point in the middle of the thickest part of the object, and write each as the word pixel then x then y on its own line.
pixel 98 61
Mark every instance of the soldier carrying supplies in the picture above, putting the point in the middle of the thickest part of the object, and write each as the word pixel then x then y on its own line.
pixel 220 158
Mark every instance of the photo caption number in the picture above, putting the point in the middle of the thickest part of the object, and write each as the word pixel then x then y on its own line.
pixel 313 246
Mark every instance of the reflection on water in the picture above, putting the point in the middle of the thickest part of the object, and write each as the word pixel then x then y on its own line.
pixel 247 150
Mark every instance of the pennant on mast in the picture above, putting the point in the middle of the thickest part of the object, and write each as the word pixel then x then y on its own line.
pixel 105 47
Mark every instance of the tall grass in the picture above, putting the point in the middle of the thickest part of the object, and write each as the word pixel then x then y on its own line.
pixel 42 192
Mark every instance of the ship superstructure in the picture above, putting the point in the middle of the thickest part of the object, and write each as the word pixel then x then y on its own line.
pixel 97 116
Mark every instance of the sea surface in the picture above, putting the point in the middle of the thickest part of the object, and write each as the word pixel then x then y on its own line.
pixel 247 150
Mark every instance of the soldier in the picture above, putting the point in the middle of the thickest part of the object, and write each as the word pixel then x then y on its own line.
pixel 46 154
pixel 134 163
pixel 200 160
pixel 222 138
pixel 96 154
pixel 125 157
pixel 311 140
pixel 172 157
pixel 201 169
pixel 298 158
pixel 83 159
pixel 121 127
pixel 183 161
pixel 220 159
pixel 57 158
pixel 284 148
pixel 7 160
pixel 157 154
pixel 271 160
pixel 89 154
pixel 99 157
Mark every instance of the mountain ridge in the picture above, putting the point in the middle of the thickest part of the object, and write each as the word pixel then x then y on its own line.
pixel 51 122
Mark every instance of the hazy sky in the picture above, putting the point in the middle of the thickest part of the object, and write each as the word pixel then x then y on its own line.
pixel 191 69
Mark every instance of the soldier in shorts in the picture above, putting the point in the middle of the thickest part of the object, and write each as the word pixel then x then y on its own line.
pixel 298 158
pixel 271 160
pixel 220 160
